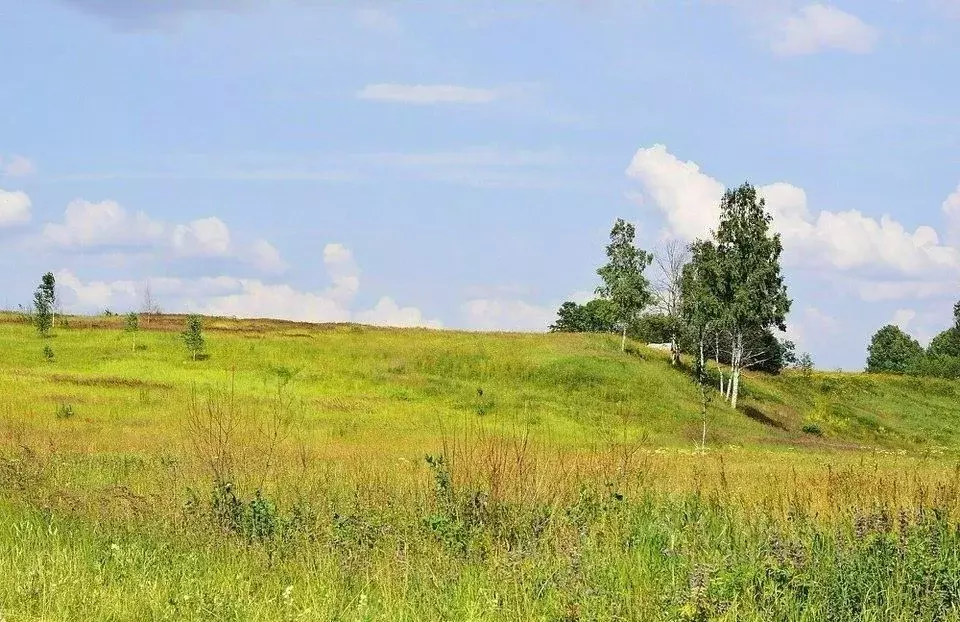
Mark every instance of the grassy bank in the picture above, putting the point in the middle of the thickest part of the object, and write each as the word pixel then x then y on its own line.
pixel 342 472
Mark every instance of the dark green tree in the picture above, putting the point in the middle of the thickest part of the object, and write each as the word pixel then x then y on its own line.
pixel 43 305
pixel 48 284
pixel 596 316
pixel 751 288
pixel 624 284
pixel 892 351
pixel 192 335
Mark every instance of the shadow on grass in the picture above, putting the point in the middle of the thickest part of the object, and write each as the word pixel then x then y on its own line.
pixel 761 417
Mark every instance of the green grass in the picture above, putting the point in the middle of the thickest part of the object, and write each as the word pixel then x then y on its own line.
pixel 571 488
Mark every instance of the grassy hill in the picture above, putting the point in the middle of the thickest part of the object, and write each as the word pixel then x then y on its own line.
pixel 343 472
pixel 398 389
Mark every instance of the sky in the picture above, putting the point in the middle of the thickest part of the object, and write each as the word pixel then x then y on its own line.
pixel 460 164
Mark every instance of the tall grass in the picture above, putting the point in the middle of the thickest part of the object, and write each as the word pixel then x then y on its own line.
pixel 376 482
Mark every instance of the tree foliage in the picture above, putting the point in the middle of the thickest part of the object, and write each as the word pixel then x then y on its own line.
pixel 893 351
pixel 624 283
pixel 43 301
pixel 750 288
pixel 596 316
pixel 193 335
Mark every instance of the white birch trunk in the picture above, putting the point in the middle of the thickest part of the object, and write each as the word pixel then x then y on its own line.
pixel 736 361
pixel 623 340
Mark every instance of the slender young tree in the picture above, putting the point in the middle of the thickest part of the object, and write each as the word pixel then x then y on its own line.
pixel 753 293
pixel 624 284
pixel 700 308
pixel 48 285
pixel 668 291
pixel 192 335
pixel 42 311
pixel 132 325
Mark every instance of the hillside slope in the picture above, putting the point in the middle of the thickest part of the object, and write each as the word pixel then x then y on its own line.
pixel 398 390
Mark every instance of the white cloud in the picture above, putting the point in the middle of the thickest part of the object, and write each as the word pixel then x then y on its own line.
pixel 903 318
pixel 503 314
pixel 817 27
pixel 687 197
pixel 87 224
pixel 343 271
pixel 428 94
pixel 249 298
pixel 880 251
pixel 16 166
pixel 951 209
pixel 388 313
pixel 96 295
pixel 266 257
pixel 207 237
pixel 14 208
pixel 99 227
pixel 260 300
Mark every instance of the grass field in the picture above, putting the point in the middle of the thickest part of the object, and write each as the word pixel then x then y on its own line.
pixel 320 472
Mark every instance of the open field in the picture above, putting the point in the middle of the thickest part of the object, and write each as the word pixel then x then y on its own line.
pixel 286 477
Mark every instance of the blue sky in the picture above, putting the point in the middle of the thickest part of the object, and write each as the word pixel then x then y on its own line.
pixel 460 164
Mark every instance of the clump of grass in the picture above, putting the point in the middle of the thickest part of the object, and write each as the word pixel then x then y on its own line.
pixel 65 411
pixel 812 429
pixel 48 354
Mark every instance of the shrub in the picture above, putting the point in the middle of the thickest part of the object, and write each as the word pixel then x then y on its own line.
pixel 812 428
pixel 64 411
pixel 48 354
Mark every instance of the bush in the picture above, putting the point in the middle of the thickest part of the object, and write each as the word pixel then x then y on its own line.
pixel 892 351
pixel 64 411
pixel 812 428
pixel 937 366
pixel 48 354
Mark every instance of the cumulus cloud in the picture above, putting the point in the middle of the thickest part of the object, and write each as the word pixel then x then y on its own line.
pixel 817 27
pixel 106 223
pixel 249 298
pixel 107 226
pixel 14 208
pixel 16 166
pixel 207 237
pixel 878 251
pixel 266 257
pixel 507 314
pixel 425 94
pixel 93 294
pixel 388 313
pixel 951 210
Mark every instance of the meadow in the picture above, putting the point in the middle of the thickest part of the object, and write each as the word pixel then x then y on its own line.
pixel 343 472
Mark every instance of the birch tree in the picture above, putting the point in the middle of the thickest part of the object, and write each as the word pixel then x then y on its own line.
pixel 700 311
pixel 624 283
pixel 48 286
pixel 668 290
pixel 753 294
pixel 700 308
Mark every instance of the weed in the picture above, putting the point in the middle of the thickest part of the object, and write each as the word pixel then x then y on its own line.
pixel 65 411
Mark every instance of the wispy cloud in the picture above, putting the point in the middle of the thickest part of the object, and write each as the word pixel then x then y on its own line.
pixel 818 27
pixel 16 166
pixel 427 94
